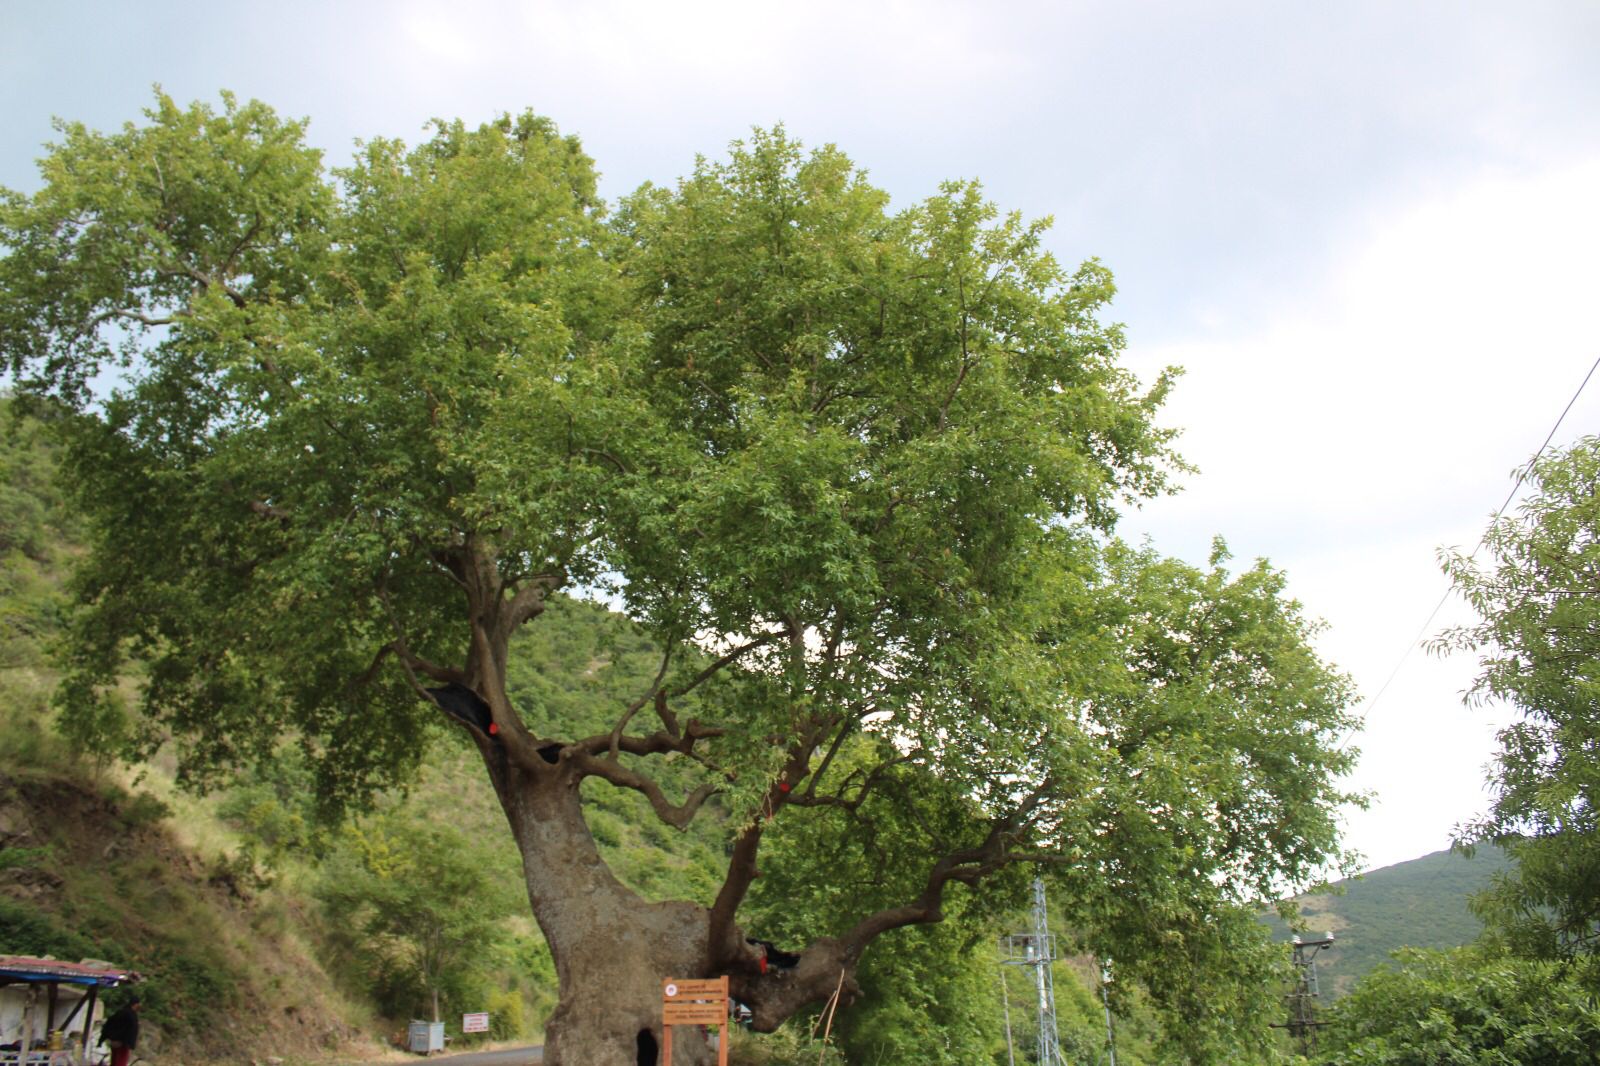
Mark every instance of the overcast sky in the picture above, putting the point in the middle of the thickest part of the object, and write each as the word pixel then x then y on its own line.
pixel 1368 231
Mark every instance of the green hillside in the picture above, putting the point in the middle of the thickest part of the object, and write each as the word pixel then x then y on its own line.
pixel 1421 903
pixel 97 864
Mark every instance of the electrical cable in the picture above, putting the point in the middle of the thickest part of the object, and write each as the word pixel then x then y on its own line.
pixel 1522 475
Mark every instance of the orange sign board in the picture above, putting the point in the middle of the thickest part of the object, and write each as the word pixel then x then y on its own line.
pixel 695 1013
pixel 714 988
pixel 694 1002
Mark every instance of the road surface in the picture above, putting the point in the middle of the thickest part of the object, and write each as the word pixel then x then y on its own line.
pixel 515 1056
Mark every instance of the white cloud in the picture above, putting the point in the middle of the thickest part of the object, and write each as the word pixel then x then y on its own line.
pixel 437 34
pixel 1377 418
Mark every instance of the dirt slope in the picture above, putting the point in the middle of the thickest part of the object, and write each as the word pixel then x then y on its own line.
pixel 92 870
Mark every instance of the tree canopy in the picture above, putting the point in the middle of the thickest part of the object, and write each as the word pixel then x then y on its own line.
pixel 1538 637
pixel 854 470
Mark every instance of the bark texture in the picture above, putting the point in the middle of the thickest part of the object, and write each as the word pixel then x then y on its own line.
pixel 611 948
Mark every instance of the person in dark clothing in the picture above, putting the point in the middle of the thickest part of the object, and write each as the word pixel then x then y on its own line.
pixel 121 1032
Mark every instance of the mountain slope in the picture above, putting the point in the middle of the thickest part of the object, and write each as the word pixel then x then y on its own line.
pixel 1421 903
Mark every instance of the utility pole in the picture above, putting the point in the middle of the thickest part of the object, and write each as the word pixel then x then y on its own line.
pixel 1302 1023
pixel 1105 997
pixel 1035 950
pixel 1005 1003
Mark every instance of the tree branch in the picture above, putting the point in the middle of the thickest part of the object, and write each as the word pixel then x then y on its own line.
pixel 742 864
pixel 968 866
pixel 809 797
pixel 400 648
pixel 602 454
pixel 633 708
pixel 133 316
pixel 267 510
pixel 243 242
pixel 727 659
pixel 676 815
pixel 725 945
pixel 528 601
pixel 660 742
pixel 966 357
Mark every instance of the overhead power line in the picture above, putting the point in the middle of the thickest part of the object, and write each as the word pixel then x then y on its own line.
pixel 1522 474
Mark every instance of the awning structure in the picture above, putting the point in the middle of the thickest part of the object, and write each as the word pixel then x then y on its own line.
pixel 56 971
pixel 49 975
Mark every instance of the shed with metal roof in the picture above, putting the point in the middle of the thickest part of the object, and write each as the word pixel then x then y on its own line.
pixel 43 996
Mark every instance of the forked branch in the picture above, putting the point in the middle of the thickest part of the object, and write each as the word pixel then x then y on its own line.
pixel 633 708
pixel 728 659
pixel 967 866
pixel 676 815
pixel 660 742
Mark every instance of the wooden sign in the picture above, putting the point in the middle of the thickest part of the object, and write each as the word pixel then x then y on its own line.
pixel 713 988
pixel 694 1002
pixel 695 1013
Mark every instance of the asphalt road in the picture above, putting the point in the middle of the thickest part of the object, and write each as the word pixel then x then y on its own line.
pixel 516 1056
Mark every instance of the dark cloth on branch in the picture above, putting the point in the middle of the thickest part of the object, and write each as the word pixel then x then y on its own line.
pixel 772 955
pixel 462 703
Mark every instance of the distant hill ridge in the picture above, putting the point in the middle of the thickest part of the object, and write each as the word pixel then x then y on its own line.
pixel 1421 903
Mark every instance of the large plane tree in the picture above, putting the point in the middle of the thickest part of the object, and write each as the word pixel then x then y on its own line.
pixel 340 435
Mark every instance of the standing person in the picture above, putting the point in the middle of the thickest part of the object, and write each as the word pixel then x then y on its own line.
pixel 121 1032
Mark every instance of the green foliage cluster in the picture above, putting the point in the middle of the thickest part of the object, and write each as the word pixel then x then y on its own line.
pixel 128 909
pixel 32 931
pixel 1467 1007
pixel 1538 639
pixel 94 916
pixel 106 881
pixel 37 530
pixel 1525 993
pixel 793 1045
pixel 932 992
pixel 409 908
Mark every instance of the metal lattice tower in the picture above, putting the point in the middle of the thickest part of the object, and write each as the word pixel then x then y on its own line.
pixel 1303 1023
pixel 1036 950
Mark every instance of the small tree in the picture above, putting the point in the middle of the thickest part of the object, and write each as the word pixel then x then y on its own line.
pixel 854 470
pixel 411 905
pixel 1539 638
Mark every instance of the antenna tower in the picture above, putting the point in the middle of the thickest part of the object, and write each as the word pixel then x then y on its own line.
pixel 1036 950
pixel 1303 1023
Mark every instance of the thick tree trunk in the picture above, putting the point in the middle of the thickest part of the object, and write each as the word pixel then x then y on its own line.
pixel 611 948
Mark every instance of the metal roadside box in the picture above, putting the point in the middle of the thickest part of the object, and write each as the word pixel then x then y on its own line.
pixel 425 1038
